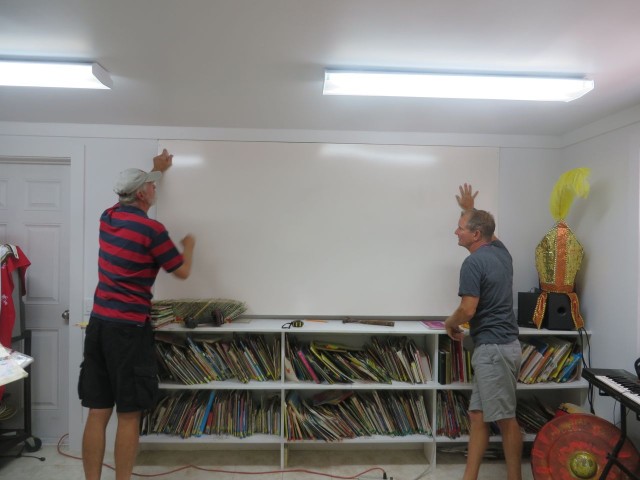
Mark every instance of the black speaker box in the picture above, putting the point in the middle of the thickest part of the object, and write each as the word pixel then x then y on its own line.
pixel 526 306
pixel 557 315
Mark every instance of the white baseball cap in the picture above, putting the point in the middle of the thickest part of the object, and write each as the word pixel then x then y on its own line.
pixel 132 179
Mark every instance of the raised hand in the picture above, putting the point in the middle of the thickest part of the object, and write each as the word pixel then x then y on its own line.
pixel 466 198
pixel 162 162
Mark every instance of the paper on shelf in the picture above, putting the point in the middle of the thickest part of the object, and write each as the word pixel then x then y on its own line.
pixel 10 369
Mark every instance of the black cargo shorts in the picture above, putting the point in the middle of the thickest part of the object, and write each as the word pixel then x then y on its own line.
pixel 118 367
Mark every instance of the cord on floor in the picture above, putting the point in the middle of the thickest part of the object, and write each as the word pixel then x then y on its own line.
pixel 218 470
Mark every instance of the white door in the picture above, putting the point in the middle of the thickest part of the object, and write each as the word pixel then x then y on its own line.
pixel 34 214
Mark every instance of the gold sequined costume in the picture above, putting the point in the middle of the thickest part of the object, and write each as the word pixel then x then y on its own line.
pixel 559 253
pixel 558 259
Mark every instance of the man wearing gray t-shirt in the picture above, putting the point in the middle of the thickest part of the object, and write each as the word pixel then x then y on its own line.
pixel 486 303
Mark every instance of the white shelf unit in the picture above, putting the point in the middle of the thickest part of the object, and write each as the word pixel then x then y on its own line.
pixel 352 334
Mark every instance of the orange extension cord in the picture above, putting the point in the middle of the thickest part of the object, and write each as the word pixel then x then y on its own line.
pixel 217 470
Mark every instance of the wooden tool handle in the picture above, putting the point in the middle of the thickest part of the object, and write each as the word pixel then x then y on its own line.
pixel 385 323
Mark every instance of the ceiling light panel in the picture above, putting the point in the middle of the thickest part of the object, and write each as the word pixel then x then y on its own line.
pixel 495 87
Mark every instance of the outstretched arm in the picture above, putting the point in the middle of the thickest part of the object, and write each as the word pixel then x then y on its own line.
pixel 465 312
pixel 184 270
pixel 162 163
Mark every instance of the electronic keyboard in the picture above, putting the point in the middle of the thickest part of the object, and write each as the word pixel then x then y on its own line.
pixel 619 384
pixel 625 388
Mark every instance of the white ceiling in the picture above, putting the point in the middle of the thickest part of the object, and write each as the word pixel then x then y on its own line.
pixel 260 63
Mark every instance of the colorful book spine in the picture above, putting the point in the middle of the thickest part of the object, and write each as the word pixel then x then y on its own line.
pixel 306 364
pixel 205 416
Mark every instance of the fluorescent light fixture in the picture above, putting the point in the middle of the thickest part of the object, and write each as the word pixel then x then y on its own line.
pixel 436 85
pixel 53 74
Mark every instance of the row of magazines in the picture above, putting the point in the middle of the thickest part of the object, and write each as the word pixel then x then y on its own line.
pixel 382 360
pixel 338 415
pixel 544 359
pixel 192 360
pixel 327 416
pixel 206 412
pixel 453 421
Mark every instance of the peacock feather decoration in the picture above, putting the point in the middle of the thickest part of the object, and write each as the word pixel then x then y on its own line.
pixel 570 185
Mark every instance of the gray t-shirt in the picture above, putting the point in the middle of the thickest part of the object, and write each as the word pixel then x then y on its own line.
pixel 487 274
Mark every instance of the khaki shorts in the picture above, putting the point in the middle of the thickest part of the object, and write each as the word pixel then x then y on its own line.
pixel 495 375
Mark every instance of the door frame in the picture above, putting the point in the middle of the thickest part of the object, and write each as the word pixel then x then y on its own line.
pixel 29 149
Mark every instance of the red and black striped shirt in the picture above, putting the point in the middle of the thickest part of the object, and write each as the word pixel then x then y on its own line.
pixel 133 247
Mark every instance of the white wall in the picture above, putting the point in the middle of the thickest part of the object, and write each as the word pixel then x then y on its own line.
pixel 527 176
pixel 606 223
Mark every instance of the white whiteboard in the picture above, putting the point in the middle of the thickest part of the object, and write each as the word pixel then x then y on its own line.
pixel 322 229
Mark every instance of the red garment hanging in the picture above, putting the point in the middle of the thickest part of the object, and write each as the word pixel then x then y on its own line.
pixel 8 265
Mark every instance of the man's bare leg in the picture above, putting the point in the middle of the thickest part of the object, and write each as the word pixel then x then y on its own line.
pixel 126 450
pixel 93 442
pixel 512 447
pixel 478 442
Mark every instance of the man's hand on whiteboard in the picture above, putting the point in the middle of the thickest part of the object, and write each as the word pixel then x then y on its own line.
pixel 188 242
pixel 184 270
pixel 466 199
pixel 162 162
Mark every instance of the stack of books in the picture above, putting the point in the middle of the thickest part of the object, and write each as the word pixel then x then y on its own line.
pixel 162 314
pixel 191 360
pixel 196 413
pixel 338 415
pixel 532 414
pixel 453 420
pixel 401 357
pixel 454 362
pixel 549 359
pixel 381 361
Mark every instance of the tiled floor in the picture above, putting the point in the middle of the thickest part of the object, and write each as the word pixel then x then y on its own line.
pixel 246 465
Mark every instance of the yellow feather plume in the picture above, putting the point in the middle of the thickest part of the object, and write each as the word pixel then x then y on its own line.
pixel 571 183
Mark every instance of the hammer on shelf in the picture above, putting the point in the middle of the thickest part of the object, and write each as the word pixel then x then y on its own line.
pixel 384 323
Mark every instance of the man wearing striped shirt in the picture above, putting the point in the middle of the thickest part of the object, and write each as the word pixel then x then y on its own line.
pixel 119 366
